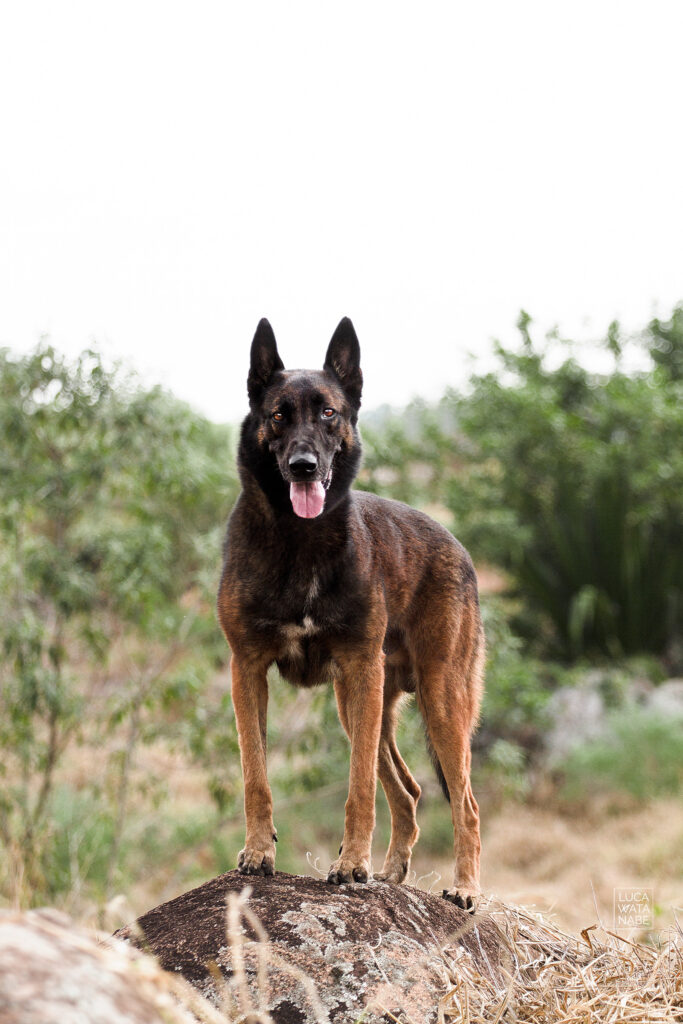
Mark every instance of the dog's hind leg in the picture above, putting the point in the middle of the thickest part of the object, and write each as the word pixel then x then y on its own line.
pixel 401 789
pixel 448 697
pixel 250 701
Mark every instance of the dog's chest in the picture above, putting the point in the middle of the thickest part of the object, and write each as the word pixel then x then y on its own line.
pixel 304 610
pixel 311 591
pixel 304 635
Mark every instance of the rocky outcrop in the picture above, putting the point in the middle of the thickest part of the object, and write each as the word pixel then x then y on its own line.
pixel 51 971
pixel 580 714
pixel 302 951
pixel 667 699
pixel 346 954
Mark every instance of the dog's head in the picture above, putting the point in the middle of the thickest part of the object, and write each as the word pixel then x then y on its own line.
pixel 300 438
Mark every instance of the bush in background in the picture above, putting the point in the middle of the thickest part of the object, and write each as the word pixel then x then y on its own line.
pixel 113 500
pixel 569 480
pixel 573 482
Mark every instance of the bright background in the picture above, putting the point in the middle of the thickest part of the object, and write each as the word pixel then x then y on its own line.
pixel 172 172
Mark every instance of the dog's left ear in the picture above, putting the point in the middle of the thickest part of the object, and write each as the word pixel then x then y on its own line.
pixel 343 360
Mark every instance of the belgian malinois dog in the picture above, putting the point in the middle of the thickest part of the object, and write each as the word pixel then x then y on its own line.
pixel 340 586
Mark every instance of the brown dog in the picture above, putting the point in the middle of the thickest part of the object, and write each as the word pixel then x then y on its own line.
pixel 341 586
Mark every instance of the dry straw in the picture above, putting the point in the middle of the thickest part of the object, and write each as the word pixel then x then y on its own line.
pixel 545 976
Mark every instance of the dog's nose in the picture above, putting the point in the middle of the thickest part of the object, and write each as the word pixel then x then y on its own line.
pixel 303 464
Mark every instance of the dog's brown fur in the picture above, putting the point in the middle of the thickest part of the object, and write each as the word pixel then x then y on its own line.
pixel 371 595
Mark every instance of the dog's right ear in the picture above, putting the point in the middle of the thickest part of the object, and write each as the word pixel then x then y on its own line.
pixel 265 360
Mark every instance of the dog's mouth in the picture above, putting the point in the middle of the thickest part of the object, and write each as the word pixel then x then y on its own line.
pixel 308 498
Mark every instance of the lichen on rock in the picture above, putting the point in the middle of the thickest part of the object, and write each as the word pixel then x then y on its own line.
pixel 332 953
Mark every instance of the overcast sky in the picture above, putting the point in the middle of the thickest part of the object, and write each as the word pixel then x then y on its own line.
pixel 171 172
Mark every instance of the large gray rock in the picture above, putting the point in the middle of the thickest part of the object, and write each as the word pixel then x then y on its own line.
pixel 332 953
pixel 576 715
pixel 667 699
pixel 54 973
pixel 582 713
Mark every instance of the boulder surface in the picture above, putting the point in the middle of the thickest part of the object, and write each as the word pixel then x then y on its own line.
pixel 51 971
pixel 299 950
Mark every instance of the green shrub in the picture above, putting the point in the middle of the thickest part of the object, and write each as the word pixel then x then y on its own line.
pixel 75 858
pixel 113 497
pixel 573 481
pixel 505 773
pixel 517 686
pixel 569 479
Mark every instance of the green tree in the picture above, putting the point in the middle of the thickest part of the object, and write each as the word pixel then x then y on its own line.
pixel 112 502
pixel 569 479
pixel 573 482
pixel 664 342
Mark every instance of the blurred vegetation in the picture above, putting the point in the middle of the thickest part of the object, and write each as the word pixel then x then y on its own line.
pixel 564 483
pixel 641 754
pixel 569 480
pixel 113 499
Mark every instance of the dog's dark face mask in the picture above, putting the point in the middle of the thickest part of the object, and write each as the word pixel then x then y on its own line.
pixel 306 419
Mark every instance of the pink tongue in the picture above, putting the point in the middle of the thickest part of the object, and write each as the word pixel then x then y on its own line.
pixel 307 499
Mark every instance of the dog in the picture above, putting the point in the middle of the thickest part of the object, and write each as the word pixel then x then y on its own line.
pixel 338 585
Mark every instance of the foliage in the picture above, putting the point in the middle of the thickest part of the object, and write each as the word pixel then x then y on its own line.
pixel 573 482
pixel 568 479
pixel 408 455
pixel 664 342
pixel 640 754
pixel 112 498
pixel 517 685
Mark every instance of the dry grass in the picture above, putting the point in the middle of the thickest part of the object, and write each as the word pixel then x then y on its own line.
pixel 549 977
pixel 568 866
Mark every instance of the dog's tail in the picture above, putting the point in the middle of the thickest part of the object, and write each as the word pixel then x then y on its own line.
pixel 437 765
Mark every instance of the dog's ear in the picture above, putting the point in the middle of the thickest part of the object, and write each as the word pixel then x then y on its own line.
pixel 265 360
pixel 343 360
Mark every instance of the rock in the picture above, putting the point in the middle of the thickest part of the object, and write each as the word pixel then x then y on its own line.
pixel 576 715
pixel 332 953
pixel 51 971
pixel 579 714
pixel 667 699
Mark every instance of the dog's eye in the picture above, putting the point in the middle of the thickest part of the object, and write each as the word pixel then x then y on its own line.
pixel 278 417
pixel 328 414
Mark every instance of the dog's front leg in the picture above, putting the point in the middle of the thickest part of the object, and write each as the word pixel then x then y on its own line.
pixel 250 701
pixel 359 699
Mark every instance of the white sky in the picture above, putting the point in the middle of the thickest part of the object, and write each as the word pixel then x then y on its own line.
pixel 171 172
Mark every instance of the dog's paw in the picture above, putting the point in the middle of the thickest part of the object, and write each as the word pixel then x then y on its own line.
pixel 394 870
pixel 255 861
pixel 346 870
pixel 462 896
